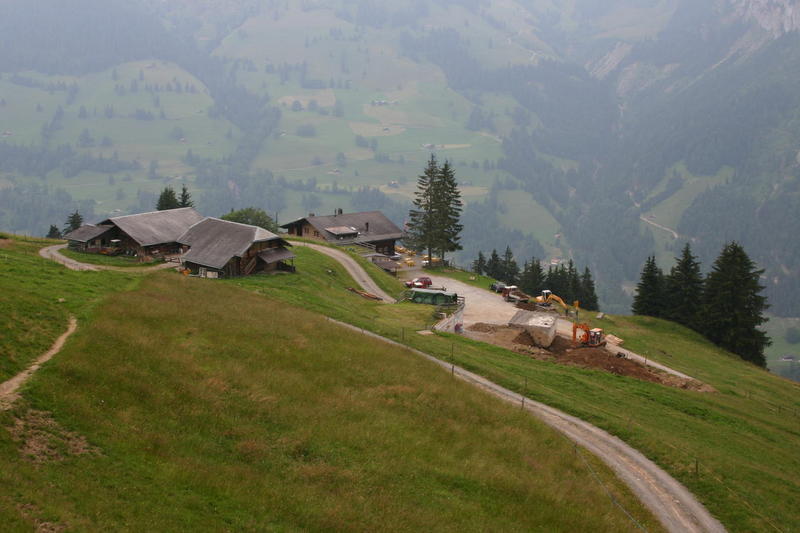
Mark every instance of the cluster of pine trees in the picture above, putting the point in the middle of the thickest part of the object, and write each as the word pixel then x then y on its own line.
pixel 169 200
pixel 725 306
pixel 434 220
pixel 562 280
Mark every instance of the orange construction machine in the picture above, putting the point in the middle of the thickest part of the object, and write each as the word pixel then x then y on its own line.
pixel 592 337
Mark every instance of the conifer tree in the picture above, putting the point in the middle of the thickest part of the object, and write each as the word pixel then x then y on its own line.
pixel 509 269
pixel 185 199
pixel 53 232
pixel 588 296
pixel 532 280
pixel 573 283
pixel 684 290
pixel 74 221
pixel 421 231
pixel 167 199
pixel 448 211
pixel 493 267
pixel 649 299
pixel 733 306
pixel 479 265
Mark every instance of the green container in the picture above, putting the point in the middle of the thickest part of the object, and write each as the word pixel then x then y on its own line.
pixel 426 296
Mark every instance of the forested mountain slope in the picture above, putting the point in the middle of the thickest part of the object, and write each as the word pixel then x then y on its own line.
pixel 584 129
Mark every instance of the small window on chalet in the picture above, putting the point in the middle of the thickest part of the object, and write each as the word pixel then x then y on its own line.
pixel 316 234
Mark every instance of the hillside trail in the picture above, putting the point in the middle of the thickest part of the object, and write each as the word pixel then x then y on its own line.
pixel 52 253
pixel 353 268
pixel 661 227
pixel 672 503
pixel 8 389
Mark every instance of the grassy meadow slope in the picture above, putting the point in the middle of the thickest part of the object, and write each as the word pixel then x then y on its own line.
pixel 32 314
pixel 742 438
pixel 190 404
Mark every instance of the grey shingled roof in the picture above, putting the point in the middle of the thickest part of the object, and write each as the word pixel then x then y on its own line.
pixel 214 242
pixel 380 227
pixel 87 232
pixel 157 227
pixel 273 255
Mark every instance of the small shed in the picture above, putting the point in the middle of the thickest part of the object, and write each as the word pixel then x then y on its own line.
pixel 427 296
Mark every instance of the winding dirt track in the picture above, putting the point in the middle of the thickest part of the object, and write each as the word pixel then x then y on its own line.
pixel 8 389
pixel 52 253
pixel 352 267
pixel 673 504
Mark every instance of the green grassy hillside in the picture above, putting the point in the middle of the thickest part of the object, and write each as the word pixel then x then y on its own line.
pixel 191 404
pixel 38 296
pixel 741 438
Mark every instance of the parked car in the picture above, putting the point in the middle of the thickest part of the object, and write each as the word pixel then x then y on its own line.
pixel 497 286
pixel 419 283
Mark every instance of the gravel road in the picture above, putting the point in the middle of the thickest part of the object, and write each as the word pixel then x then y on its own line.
pixel 480 305
pixel 353 268
pixel 672 503
pixel 52 253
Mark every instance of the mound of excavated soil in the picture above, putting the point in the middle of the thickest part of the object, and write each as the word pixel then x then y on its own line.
pixel 483 328
pixel 562 351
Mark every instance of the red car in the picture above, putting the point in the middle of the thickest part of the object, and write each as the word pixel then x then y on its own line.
pixel 419 283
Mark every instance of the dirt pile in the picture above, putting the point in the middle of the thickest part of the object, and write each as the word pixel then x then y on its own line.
pixel 562 351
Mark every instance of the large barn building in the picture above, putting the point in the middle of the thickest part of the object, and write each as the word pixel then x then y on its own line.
pixel 219 248
pixel 370 227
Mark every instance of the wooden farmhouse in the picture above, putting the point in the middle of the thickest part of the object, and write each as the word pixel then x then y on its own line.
pixel 371 228
pixel 90 238
pixel 144 235
pixel 218 248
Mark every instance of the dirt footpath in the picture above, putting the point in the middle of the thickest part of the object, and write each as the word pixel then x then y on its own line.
pixel 8 389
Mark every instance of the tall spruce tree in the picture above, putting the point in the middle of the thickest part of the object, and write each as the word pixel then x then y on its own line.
pixel 733 306
pixel 422 230
pixel 479 265
pixel 509 270
pixel 167 199
pixel 447 211
pixel 684 290
pixel 185 199
pixel 649 299
pixel 74 221
pixel 493 267
pixel 532 280
pixel 588 296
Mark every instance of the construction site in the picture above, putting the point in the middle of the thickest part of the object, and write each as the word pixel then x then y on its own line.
pixel 546 328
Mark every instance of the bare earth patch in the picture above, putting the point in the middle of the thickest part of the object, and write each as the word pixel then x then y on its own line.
pixel 5 243
pixel 562 352
pixel 44 440
pixel 32 513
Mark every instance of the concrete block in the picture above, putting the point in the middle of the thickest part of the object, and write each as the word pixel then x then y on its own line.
pixel 540 326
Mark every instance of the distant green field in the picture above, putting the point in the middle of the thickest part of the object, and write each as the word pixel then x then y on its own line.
pixel 776 328
pixel 524 213
pixel 669 212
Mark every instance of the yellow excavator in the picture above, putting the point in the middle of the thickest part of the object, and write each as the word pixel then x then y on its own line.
pixel 547 298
